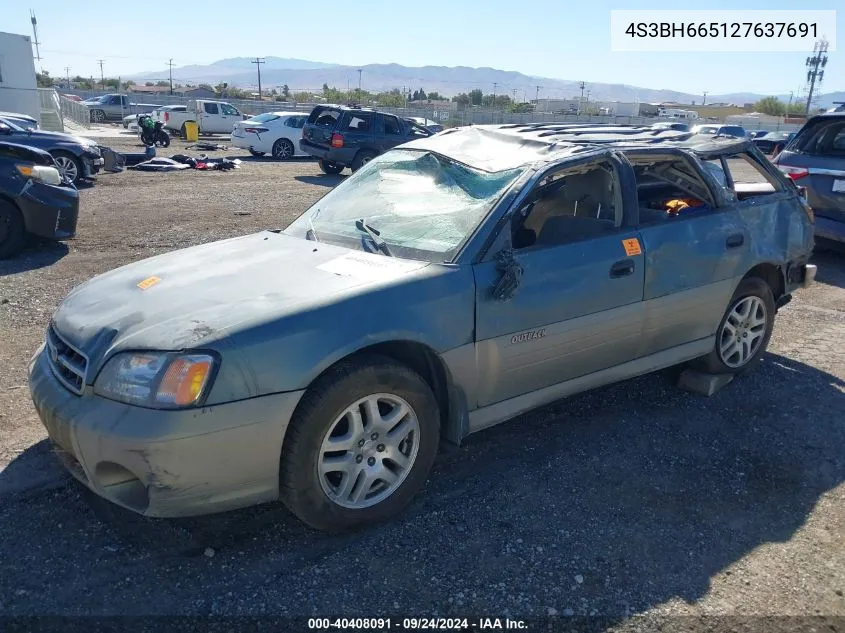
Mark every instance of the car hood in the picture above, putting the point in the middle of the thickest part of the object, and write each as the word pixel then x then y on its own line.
pixel 200 295
pixel 45 137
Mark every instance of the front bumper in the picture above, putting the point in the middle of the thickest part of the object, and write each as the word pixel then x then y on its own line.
pixel 165 463
pixel 91 164
pixel 49 211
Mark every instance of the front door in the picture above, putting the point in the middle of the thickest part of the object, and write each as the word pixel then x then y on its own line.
pixel 577 308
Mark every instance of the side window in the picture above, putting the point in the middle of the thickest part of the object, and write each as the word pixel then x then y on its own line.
pixel 229 110
pixel 748 175
pixel 832 141
pixel 670 187
pixel 359 122
pixel 295 121
pixel 391 125
pixel 210 108
pixel 569 205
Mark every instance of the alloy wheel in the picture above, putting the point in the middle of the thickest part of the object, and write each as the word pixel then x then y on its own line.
pixel 368 451
pixel 743 331
pixel 283 150
pixel 67 167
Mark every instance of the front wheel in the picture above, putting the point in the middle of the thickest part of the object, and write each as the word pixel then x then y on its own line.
pixel 330 168
pixel 12 231
pixel 745 330
pixel 69 166
pixel 283 149
pixel 360 445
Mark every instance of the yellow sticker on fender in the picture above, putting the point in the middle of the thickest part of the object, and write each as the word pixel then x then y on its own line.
pixel 149 282
pixel 632 246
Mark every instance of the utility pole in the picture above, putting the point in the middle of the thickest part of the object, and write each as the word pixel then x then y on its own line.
pixel 495 85
pixel 170 65
pixel 814 63
pixel 67 73
pixel 537 95
pixel 258 61
pixel 582 85
pixel 359 84
pixel 102 77
pixel 704 99
pixel 35 37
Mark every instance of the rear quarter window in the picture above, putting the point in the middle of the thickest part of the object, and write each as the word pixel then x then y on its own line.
pixel 823 138
pixel 324 117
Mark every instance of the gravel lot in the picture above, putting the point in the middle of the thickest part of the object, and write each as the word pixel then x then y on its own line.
pixel 633 499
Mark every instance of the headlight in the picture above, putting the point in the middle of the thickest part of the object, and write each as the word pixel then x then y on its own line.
pixel 40 173
pixel 159 380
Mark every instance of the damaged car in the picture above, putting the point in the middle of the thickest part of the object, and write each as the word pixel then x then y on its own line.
pixel 450 284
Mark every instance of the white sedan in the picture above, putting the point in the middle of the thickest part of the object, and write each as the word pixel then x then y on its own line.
pixel 274 133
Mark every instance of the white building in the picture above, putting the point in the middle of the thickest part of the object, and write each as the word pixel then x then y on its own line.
pixel 18 88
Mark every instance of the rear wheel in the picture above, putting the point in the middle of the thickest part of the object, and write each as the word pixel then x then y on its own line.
pixel 12 234
pixel 362 158
pixel 745 330
pixel 360 445
pixel 283 149
pixel 331 168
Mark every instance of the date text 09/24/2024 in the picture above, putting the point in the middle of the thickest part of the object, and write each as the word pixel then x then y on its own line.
pixel 415 624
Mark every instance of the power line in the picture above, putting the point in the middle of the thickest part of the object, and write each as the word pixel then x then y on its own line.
pixel 170 66
pixel 258 61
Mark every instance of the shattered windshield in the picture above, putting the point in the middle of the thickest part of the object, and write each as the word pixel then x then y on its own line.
pixel 422 205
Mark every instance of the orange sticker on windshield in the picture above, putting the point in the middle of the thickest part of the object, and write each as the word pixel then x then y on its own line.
pixel 149 282
pixel 632 246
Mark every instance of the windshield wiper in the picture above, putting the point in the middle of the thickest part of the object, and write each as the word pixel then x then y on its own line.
pixel 374 235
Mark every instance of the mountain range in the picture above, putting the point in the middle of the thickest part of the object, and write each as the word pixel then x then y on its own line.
pixel 305 75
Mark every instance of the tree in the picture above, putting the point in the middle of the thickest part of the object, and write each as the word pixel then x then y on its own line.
pixel 302 97
pixel 476 97
pixel 770 105
pixel 163 84
pixel 394 98
pixel 435 96
pixel 149 83
pixel 44 80
pixel 285 92
pixel 127 85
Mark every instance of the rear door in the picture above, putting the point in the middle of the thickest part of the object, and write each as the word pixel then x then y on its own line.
pixel 358 130
pixel 816 159
pixel 389 132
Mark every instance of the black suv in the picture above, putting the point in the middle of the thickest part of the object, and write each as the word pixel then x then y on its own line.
pixel 815 159
pixel 348 136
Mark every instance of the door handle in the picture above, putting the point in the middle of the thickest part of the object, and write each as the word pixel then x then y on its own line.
pixel 622 268
pixel 735 240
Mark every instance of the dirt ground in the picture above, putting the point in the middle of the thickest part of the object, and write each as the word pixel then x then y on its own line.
pixel 632 499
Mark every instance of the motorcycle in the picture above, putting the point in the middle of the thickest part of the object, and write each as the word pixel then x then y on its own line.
pixel 152 132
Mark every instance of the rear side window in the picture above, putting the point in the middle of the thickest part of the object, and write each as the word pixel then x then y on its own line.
pixel 822 138
pixel 295 121
pixel 210 108
pixel 732 130
pixel 359 122
pixel 324 117
pixel 229 110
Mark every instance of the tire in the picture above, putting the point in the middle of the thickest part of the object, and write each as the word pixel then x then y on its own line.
pixel 362 158
pixel 254 153
pixel 324 499
pixel 147 138
pixel 12 232
pixel 69 166
pixel 164 139
pixel 283 149
pixel 330 168
pixel 755 294
pixel 97 116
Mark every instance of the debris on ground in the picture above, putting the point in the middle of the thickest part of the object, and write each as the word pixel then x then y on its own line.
pixel 208 147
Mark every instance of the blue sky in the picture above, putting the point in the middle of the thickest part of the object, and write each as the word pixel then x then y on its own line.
pixel 564 39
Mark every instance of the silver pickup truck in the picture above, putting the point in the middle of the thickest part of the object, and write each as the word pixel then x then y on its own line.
pixel 114 107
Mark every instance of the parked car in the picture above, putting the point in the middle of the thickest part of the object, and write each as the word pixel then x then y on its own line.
pixel 671 125
pixel 773 142
pixel 752 134
pixel 448 285
pixel 736 131
pixel 113 107
pixel 815 159
pixel 345 136
pixel 76 98
pixel 274 133
pixel 432 126
pixel 34 198
pixel 213 117
pixel 76 157
pixel 23 120
pixel 131 120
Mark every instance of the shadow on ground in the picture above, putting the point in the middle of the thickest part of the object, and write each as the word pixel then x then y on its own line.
pixel 830 259
pixel 323 180
pixel 643 491
pixel 36 254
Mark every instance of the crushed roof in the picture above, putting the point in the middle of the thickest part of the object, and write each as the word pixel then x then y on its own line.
pixel 501 147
